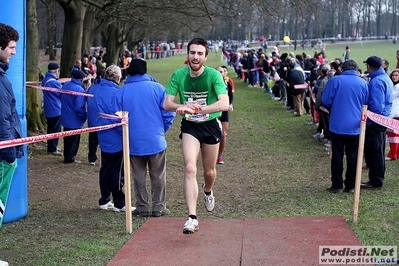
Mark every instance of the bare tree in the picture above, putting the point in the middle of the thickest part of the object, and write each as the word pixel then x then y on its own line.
pixel 394 17
pixel 74 11
pixel 50 28
pixel 33 101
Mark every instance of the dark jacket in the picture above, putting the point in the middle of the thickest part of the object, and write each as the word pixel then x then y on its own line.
pixel 296 77
pixel 244 62
pixel 10 124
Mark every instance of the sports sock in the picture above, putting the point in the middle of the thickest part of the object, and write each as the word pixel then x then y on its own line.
pixel 193 216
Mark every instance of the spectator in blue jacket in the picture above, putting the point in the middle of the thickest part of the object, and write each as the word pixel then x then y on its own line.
pixel 380 102
pixel 143 98
pixel 73 114
pixel 110 140
pixel 52 106
pixel 344 96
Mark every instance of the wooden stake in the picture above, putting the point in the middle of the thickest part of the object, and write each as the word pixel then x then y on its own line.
pixel 126 168
pixel 359 164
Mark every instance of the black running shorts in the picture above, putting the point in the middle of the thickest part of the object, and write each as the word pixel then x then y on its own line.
pixel 209 132
pixel 224 117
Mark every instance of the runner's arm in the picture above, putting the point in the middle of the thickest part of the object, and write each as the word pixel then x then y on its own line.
pixel 170 105
pixel 222 104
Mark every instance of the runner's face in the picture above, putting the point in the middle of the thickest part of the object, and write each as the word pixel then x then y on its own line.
pixel 221 71
pixel 6 54
pixel 196 57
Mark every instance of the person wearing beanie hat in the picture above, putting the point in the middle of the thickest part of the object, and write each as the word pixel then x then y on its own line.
pixel 52 106
pixel 73 114
pixel 137 66
pixel 53 66
pixel 203 97
pixel 147 143
pixel 379 102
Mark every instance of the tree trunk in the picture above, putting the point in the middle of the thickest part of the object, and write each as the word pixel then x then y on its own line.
pixel 378 19
pixel 394 7
pixel 92 27
pixel 50 30
pixel 33 101
pixel 73 35
pixel 114 39
pixel 368 20
pixel 88 32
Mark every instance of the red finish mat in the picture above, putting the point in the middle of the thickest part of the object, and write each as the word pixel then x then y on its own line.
pixel 245 242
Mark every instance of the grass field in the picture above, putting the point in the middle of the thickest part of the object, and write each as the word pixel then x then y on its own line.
pixel 273 168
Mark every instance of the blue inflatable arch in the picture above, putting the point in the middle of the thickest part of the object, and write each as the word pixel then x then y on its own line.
pixel 17 202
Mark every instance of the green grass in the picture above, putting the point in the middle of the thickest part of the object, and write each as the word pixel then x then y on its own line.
pixel 274 168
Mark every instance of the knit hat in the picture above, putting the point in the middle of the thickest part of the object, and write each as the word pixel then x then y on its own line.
pixel 53 66
pixel 78 74
pixel 137 66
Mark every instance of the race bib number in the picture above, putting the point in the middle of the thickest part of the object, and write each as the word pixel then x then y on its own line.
pixel 198 117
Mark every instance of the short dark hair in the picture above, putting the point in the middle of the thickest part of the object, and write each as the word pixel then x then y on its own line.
pixel 350 65
pixel 291 62
pixel 7 34
pixel 334 65
pixel 198 41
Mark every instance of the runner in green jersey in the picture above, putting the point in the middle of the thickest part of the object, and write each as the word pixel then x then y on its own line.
pixel 203 97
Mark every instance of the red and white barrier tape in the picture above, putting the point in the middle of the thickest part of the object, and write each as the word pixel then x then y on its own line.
pixel 60 91
pixel 21 141
pixel 387 122
pixel 27 140
pixel 301 86
pixel 391 124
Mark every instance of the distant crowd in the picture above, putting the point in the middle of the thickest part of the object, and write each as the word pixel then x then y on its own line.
pixel 332 93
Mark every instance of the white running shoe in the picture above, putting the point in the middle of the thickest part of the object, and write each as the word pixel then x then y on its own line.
pixel 108 205
pixel 190 226
pixel 115 209
pixel 209 200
